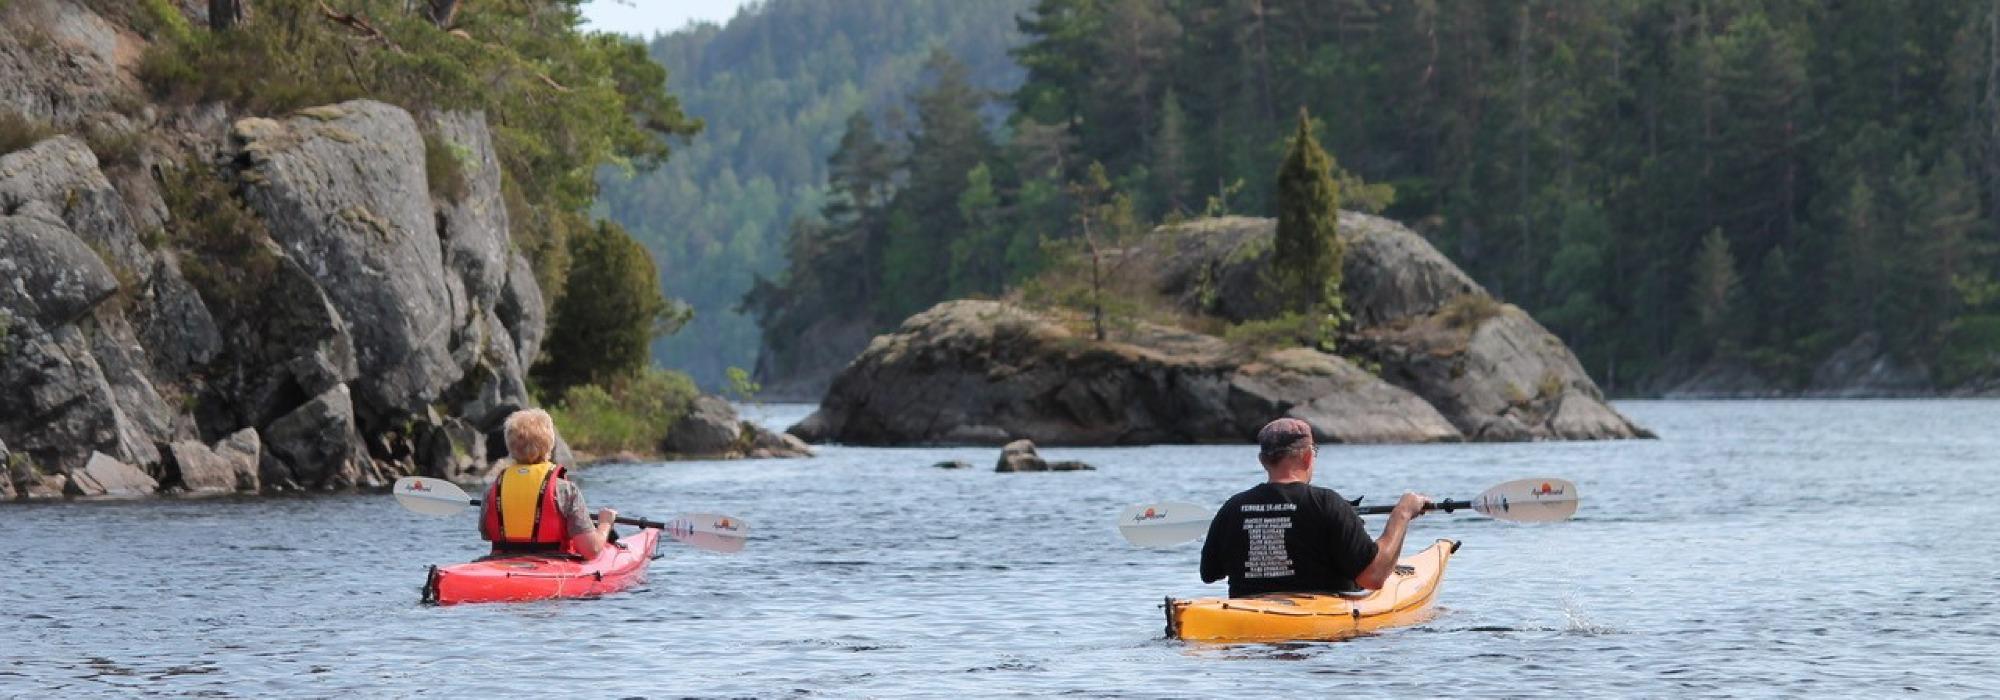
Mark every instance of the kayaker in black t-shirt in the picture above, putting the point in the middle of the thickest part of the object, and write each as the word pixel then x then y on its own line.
pixel 1289 536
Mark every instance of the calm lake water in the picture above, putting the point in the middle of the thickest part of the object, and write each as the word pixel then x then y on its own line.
pixel 1758 548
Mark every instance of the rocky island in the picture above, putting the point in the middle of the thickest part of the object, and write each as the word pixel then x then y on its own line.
pixel 1430 357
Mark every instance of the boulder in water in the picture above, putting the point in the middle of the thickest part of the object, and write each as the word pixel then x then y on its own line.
pixel 1020 456
pixel 103 476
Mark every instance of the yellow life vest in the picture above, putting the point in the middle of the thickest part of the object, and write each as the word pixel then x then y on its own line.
pixel 524 508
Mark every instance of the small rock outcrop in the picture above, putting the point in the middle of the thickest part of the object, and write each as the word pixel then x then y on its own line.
pixel 713 430
pixel 231 466
pixel 1446 362
pixel 1020 456
pixel 770 444
pixel 988 373
pixel 103 476
pixel 711 427
pixel 315 447
pixel 1722 379
pixel 1863 369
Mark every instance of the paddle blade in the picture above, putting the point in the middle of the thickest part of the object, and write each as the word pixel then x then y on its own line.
pixel 709 532
pixel 1164 524
pixel 430 496
pixel 1529 501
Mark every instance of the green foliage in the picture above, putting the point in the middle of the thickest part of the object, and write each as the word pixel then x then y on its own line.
pixel 115 148
pixel 1589 161
pixel 609 315
pixel 1971 350
pixel 634 414
pixel 560 102
pixel 18 132
pixel 161 21
pixel 1288 330
pixel 1308 255
pixel 741 385
pixel 778 86
pixel 1576 156
pixel 228 253
pixel 1085 272
pixel 444 168
pixel 1714 288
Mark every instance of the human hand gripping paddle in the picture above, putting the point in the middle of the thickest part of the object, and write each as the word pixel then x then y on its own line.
pixel 1521 501
pixel 704 531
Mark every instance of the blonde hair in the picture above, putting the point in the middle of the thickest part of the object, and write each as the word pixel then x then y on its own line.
pixel 531 435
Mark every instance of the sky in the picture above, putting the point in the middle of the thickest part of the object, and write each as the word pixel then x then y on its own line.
pixel 647 17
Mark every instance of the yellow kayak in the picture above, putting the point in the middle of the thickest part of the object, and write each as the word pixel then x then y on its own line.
pixel 1282 617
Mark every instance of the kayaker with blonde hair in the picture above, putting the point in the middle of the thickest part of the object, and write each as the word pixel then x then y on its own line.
pixel 532 506
pixel 1288 536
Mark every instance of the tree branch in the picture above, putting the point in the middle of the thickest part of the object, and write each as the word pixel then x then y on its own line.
pixel 359 24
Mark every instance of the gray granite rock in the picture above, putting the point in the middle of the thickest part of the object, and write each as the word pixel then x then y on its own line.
pixel 59 62
pixel 179 333
pixel 711 428
pixel 474 225
pixel 1020 456
pixel 343 191
pixel 315 447
pixel 103 476
pixel 523 311
pixel 771 444
pixel 60 405
pixel 980 372
pixel 47 274
pixel 62 174
pixel 1498 378
pixel 1864 369
pixel 1342 402
pixel 229 467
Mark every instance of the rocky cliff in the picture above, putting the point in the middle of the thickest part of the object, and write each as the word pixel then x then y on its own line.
pixel 1449 363
pixel 196 302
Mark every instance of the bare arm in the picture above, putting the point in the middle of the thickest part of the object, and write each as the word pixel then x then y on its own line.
pixel 1389 547
pixel 590 543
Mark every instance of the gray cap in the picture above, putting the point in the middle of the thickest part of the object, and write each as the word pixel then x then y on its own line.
pixel 1284 435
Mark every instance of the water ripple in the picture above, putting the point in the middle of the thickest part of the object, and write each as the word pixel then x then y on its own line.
pixel 1773 548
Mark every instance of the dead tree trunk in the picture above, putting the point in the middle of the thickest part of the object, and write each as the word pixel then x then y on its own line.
pixel 226 14
pixel 443 12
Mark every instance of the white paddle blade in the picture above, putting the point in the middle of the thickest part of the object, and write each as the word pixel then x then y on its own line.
pixel 709 532
pixel 1529 501
pixel 430 496
pixel 1164 524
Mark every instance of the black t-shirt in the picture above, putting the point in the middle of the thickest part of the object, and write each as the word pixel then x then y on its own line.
pixel 1278 538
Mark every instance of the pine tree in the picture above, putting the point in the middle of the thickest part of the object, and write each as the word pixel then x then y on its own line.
pixel 950 141
pixel 1170 157
pixel 609 313
pixel 1308 251
pixel 1714 292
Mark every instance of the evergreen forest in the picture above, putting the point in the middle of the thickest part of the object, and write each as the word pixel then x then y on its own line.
pixel 1667 184
pixel 775 87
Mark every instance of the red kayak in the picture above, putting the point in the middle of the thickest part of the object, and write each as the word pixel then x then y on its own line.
pixel 541 577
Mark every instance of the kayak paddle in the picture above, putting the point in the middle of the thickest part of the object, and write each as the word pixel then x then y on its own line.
pixel 706 531
pixel 1521 501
